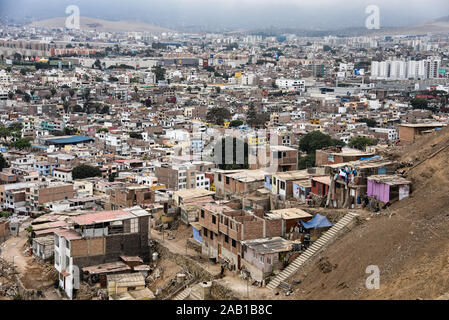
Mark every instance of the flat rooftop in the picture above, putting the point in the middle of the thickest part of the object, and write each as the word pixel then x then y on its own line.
pixel 423 125
pixel 389 179
pixel 268 245
pixel 289 213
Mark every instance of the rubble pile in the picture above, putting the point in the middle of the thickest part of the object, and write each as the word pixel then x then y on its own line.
pixel 49 272
pixel 7 287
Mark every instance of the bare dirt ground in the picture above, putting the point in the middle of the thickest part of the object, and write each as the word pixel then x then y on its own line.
pixel 409 242
pixel 168 270
pixel 178 245
pixel 32 274
pixel 240 287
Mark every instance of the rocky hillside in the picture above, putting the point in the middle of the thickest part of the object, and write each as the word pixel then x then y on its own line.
pixel 409 241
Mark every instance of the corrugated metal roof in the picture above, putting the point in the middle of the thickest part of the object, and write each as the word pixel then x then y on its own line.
pixel 104 216
pixel 389 179
pixel 268 245
pixel 72 139
pixel 107 267
pixel 127 279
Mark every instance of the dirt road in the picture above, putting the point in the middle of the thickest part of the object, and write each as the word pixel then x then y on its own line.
pixel 32 274
pixel 12 251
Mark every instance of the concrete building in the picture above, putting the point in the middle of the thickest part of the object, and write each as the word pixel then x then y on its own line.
pixel 96 238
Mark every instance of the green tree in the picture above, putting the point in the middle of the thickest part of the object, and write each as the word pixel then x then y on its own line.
pixel 5 214
pixel 135 135
pixel 361 143
pixel 316 140
pixel 66 106
pixel 17 57
pixel 3 162
pixel 255 119
pixel 307 161
pixel 97 64
pixel 104 110
pixel 369 122
pixel 102 130
pixel 159 72
pixel 218 115
pixel 4 132
pixel 311 142
pixel 78 108
pixel 21 144
pixel 85 171
pixel 236 123
pixel 69 131
pixel 15 126
pixel 419 103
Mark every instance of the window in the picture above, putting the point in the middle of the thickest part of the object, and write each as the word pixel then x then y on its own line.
pixel 67 244
pixel 219 177
pixel 212 236
pixel 67 262
pixel 202 213
pixel 227 180
pixel 234 243
pixel 214 219
pixel 282 185
pixel 57 258
pixel 134 225
pixel 261 259
pixel 205 232
pixel 313 183
pixel 57 241
pixel 226 239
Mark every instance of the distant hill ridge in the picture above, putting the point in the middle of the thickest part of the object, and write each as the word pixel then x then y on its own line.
pixel 101 25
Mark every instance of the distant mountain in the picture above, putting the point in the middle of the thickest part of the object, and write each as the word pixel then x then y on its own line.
pixel 437 26
pixel 443 19
pixel 101 25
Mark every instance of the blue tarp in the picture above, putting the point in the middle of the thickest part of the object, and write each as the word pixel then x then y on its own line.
pixel 318 221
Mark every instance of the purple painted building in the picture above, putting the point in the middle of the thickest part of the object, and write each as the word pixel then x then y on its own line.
pixel 388 188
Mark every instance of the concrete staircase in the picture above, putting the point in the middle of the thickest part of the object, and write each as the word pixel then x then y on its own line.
pixel 192 293
pixel 322 242
pixel 183 294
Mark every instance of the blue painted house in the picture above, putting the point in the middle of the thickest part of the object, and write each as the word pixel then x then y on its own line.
pixel 196 229
pixel 45 168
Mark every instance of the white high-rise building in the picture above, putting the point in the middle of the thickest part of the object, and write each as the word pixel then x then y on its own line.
pixel 401 70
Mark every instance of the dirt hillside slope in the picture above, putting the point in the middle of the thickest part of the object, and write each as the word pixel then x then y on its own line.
pixel 409 242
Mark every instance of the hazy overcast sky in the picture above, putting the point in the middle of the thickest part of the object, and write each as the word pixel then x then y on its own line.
pixel 307 14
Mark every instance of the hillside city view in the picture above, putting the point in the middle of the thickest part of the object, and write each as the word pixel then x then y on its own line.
pixel 199 150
